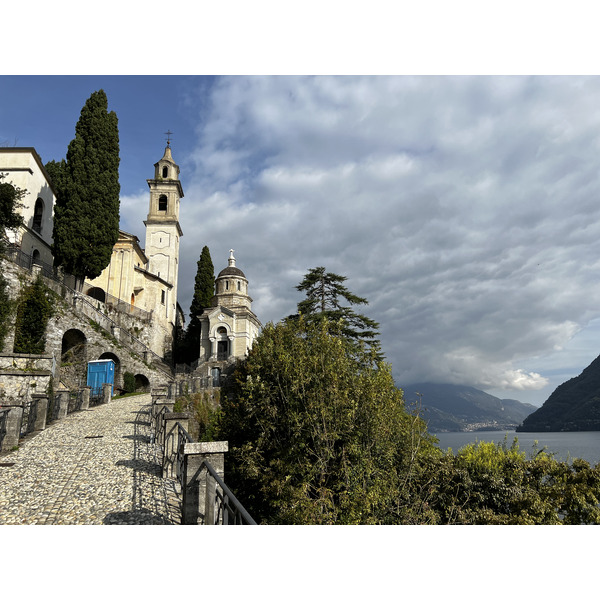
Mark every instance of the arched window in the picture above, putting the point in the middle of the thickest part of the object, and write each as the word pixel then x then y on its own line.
pixel 162 202
pixel 38 213
pixel 35 257
pixel 165 172
pixel 222 344
pixel 239 285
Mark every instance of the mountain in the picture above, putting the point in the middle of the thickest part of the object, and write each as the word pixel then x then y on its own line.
pixel 447 407
pixel 573 406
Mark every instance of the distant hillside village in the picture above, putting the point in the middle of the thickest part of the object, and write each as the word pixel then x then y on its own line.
pixel 130 313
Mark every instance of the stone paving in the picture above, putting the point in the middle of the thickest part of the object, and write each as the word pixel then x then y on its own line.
pixel 93 467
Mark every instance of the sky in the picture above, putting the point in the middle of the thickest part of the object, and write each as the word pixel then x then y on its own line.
pixel 463 208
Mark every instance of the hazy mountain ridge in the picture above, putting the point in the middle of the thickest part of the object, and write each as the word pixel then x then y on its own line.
pixel 573 406
pixel 448 407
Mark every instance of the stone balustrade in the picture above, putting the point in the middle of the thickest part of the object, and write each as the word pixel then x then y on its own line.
pixel 39 412
pixel 199 467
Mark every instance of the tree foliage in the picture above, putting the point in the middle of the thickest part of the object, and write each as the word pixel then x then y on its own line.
pixel 86 216
pixel 487 483
pixel 10 201
pixel 325 294
pixel 34 309
pixel 317 434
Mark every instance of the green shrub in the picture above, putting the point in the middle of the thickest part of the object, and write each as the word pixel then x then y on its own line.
pixel 33 312
pixel 128 382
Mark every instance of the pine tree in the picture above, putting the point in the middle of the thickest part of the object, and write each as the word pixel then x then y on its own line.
pixel 86 215
pixel 325 293
pixel 204 290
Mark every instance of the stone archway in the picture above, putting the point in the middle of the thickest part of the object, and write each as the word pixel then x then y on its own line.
pixel 141 383
pixel 73 359
pixel 117 361
pixel 97 293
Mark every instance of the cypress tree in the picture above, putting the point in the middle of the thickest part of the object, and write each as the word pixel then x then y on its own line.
pixel 86 215
pixel 204 290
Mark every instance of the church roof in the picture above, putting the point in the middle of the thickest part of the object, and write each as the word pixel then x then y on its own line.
pixel 231 270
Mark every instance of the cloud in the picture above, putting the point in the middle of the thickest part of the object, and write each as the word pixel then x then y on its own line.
pixel 463 208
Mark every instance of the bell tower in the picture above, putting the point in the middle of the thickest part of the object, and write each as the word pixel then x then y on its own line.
pixel 162 227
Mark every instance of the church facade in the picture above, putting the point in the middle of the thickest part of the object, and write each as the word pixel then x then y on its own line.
pixel 228 327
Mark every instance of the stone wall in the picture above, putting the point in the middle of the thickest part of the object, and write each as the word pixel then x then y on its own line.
pixel 77 329
pixel 22 375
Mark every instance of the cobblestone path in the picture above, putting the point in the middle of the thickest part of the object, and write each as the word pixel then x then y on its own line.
pixel 93 467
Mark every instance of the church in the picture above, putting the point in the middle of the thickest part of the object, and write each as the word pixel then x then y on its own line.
pixel 142 282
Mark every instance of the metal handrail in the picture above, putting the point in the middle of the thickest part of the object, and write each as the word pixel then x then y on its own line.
pixel 29 417
pixel 229 510
pixel 183 437
pixel 222 500
pixel 160 427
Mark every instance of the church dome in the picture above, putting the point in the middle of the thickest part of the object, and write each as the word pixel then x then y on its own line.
pixel 231 270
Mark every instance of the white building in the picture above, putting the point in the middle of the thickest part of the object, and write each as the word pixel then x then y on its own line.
pixel 23 169
pixel 229 327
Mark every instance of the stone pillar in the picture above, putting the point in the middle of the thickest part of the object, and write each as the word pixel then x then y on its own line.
pixel 85 397
pixel 106 393
pixel 42 410
pixel 63 398
pixel 198 492
pixel 170 441
pixel 13 427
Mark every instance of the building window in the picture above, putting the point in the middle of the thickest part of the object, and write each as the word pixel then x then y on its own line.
pixel 165 172
pixel 162 296
pixel 38 213
pixel 222 350
pixel 239 286
pixel 162 202
pixel 222 344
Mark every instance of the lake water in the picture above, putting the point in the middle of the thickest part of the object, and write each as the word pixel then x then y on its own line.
pixel 565 444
